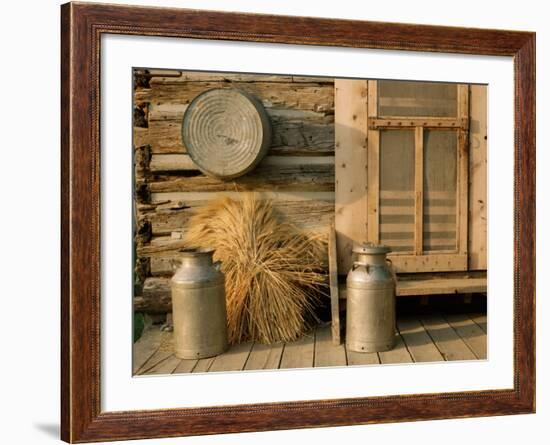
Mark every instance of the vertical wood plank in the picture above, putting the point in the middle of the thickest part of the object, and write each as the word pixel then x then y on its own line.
pixel 145 348
pixel 418 189
pixel 327 354
pixel 480 320
pixel 157 358
pixel 477 223
pixel 264 356
pixel 299 354
pixel 399 353
pixel 462 171
pixel 166 366
pixel 185 366
pixel 471 333
pixel 203 365
pixel 333 281
pixel 232 360
pixel 419 343
pixel 350 108
pixel 373 168
pixel 451 346
pixel 362 358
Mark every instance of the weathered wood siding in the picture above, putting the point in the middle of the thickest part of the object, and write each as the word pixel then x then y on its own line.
pixel 477 221
pixel 394 173
pixel 297 173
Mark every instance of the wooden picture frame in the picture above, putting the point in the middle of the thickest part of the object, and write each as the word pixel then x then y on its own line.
pixel 82 26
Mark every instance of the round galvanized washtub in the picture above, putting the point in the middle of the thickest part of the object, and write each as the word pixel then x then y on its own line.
pixel 198 306
pixel 370 305
pixel 226 132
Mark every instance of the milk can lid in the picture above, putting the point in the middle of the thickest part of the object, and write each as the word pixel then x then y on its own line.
pixel 370 248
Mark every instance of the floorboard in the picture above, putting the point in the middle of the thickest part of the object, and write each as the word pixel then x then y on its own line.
pixel 447 341
pixel 326 352
pixel 264 356
pixel 146 347
pixel 471 333
pixel 399 353
pixel 417 340
pixel 232 360
pixel 299 354
pixel 185 366
pixel 166 366
pixel 362 358
pixel 203 365
pixel 480 320
pixel 425 338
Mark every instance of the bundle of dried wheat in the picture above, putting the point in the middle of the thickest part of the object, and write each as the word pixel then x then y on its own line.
pixel 273 271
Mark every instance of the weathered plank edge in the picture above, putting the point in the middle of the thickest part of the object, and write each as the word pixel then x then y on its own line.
pixel 333 280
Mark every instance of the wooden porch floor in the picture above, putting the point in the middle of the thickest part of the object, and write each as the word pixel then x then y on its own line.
pixel 429 338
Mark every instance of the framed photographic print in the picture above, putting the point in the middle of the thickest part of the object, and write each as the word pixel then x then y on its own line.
pixel 276 222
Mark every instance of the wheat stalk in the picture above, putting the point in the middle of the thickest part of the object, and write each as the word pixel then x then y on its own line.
pixel 273 271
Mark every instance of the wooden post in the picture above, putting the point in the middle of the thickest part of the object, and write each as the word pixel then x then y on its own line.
pixel 462 171
pixel 418 189
pixel 350 108
pixel 373 170
pixel 477 221
pixel 333 280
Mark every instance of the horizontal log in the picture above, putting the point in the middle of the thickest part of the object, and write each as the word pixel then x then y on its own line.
pixel 160 246
pixel 187 198
pixel 171 162
pixel 174 111
pixel 315 96
pixel 265 177
pixel 201 76
pixel 294 132
pixel 164 266
pixel 183 162
pixel 310 215
pixel 156 296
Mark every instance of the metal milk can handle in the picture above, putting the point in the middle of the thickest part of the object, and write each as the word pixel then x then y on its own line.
pixel 392 270
pixel 356 264
pixel 217 265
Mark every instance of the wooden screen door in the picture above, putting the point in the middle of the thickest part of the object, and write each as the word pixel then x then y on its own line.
pixel 417 173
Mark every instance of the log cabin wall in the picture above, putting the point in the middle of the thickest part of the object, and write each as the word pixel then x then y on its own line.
pixel 297 173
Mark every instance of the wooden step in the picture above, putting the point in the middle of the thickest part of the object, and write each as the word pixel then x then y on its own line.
pixel 434 286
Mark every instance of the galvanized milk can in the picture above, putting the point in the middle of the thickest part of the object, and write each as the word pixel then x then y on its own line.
pixel 370 305
pixel 198 306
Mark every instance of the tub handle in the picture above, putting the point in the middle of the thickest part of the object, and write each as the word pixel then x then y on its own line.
pixel 217 265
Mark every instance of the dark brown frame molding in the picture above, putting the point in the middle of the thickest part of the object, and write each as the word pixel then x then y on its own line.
pixel 81 28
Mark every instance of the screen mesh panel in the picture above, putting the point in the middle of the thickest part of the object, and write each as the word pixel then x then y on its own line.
pixel 397 189
pixel 428 99
pixel 440 179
